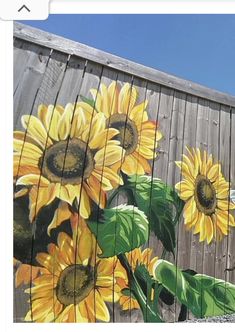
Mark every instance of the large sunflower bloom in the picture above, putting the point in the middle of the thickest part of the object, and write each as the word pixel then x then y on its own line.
pixel 66 153
pixel 77 283
pixel 137 135
pixel 206 193
pixel 135 257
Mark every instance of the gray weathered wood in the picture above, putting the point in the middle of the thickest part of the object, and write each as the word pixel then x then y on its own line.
pixel 224 159
pixel 197 248
pixel 184 237
pixel 190 128
pixel 70 47
pixel 231 245
pixel 213 136
pixel 28 79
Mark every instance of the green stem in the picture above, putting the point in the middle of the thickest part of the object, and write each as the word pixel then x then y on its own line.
pixel 148 313
pixel 157 290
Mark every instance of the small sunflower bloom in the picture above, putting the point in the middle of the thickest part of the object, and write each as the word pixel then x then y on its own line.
pixel 206 195
pixel 135 257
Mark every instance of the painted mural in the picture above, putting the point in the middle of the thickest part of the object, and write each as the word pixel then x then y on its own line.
pixel 83 175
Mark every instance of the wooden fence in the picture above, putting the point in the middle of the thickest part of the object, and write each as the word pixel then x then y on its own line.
pixel 52 70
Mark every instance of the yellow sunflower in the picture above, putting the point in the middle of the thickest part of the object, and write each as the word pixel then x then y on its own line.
pixel 77 283
pixel 135 257
pixel 206 193
pixel 65 153
pixel 137 135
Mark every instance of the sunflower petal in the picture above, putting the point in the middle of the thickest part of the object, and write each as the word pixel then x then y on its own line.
pixel 64 125
pixel 108 156
pixel 61 214
pixel 214 172
pixel 35 128
pixel 101 310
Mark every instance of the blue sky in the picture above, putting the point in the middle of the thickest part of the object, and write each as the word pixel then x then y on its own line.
pixel 200 48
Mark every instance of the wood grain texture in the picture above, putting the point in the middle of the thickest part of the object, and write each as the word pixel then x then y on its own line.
pixel 29 79
pixel 175 153
pixel 224 159
pixel 231 241
pixel 185 238
pixel 70 47
pixel 201 142
pixel 213 136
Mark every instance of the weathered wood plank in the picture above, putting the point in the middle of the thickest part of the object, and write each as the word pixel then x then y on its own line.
pixel 230 274
pixel 61 44
pixel 21 305
pixel 141 86
pixel 52 79
pixel 213 137
pixel 224 159
pixel 164 120
pixel 28 80
pixel 175 153
pixel 184 236
pixel 109 76
pixel 72 81
pixel 153 99
pixel 197 248
pixel 209 255
pixel 90 79
pixel 176 137
pixel 223 247
pixel 26 55
pixel 190 130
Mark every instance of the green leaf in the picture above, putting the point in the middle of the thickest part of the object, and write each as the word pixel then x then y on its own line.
pixel 203 295
pixel 160 203
pixel 90 102
pixel 123 229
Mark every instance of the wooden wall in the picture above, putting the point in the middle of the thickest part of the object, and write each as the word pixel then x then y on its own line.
pixel 51 70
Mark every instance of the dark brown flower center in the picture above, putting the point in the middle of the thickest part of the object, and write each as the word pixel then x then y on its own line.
pixel 75 283
pixel 205 195
pixel 128 133
pixel 68 162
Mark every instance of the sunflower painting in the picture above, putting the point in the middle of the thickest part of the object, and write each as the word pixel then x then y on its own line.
pixel 83 173
pixel 63 155
pixel 206 193
pixel 65 292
